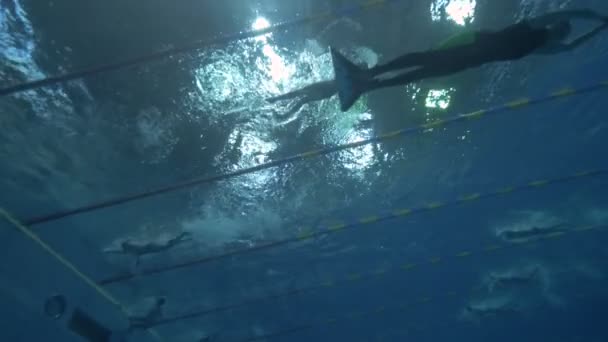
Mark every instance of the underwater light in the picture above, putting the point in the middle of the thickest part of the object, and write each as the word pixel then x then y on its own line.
pixel 261 23
pixel 276 66
pixel 460 12
pixel 439 98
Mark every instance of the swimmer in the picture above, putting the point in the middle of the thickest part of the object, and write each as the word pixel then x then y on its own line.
pixel 513 279
pixel 320 90
pixel 489 311
pixel 311 93
pixel 532 233
pixel 138 250
pixel 208 338
pixel 484 310
pixel 546 34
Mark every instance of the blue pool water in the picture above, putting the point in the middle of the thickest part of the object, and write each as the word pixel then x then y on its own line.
pixel 405 238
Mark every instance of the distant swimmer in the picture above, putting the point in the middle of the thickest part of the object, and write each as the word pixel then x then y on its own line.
pixel 311 93
pixel 533 233
pixel 546 34
pixel 489 311
pixel 140 249
pixel 208 338
pixel 513 279
pixel 491 307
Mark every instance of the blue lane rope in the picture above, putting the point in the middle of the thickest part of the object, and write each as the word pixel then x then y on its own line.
pixel 350 279
pixel 397 305
pixel 342 225
pixel 511 106
pixel 348 10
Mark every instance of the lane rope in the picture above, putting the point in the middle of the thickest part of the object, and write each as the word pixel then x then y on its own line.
pixel 348 10
pixel 349 279
pixel 308 233
pixel 510 106
pixel 69 266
